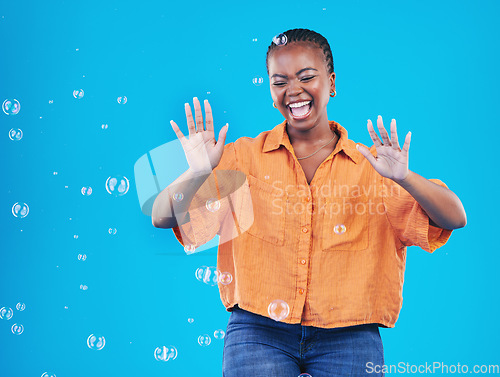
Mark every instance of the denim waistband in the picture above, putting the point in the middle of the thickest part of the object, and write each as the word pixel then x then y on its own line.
pixel 239 315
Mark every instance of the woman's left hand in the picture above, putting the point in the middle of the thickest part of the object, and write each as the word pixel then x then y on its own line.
pixel 391 161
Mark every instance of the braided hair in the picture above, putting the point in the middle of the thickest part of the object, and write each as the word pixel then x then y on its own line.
pixel 296 35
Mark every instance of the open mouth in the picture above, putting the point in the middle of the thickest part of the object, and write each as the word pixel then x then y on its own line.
pixel 300 110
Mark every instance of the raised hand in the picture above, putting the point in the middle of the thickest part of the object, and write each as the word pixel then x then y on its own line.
pixel 203 152
pixel 391 161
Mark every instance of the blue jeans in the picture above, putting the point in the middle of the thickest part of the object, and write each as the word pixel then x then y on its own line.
pixel 259 346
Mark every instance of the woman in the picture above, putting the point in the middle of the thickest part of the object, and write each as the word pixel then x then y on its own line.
pixel 321 266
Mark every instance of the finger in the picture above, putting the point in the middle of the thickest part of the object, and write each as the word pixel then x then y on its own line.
pixel 198 115
pixel 366 152
pixel 394 135
pixel 178 132
pixel 373 134
pixel 190 121
pixel 208 117
pixel 406 145
pixel 383 132
pixel 222 136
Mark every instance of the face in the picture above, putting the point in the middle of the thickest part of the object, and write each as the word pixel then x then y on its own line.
pixel 298 73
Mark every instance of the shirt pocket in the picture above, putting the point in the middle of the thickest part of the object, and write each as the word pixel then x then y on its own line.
pixel 269 205
pixel 345 224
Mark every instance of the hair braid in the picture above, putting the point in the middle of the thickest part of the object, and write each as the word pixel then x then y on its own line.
pixel 297 35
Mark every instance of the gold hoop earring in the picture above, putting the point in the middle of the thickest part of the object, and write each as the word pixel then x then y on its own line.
pixel 334 94
pixel 274 105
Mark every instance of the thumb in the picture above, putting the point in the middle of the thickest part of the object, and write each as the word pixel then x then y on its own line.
pixel 365 152
pixel 222 135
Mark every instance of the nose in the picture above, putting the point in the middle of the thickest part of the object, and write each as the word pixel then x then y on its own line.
pixel 294 88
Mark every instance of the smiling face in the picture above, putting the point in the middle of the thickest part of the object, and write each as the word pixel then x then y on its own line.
pixel 298 73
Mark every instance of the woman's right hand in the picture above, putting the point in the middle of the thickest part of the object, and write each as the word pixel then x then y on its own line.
pixel 202 152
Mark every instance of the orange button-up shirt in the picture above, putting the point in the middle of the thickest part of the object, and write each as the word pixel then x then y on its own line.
pixel 334 250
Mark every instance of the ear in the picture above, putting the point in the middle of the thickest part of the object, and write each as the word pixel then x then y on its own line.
pixel 332 82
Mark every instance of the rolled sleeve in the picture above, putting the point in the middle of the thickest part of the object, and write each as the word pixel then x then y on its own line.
pixel 202 224
pixel 184 234
pixel 410 222
pixel 195 231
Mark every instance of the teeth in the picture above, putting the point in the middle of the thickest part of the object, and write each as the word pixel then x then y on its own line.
pixel 299 104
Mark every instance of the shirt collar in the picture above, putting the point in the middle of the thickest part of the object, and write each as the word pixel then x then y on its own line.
pixel 278 136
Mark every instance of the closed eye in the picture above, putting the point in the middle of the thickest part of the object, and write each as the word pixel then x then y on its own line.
pixel 304 79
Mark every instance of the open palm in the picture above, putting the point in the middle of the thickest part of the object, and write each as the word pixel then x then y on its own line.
pixel 203 152
pixel 391 161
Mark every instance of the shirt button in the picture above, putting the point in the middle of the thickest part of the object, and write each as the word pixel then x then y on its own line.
pixel 301 291
pixel 303 261
pixel 304 230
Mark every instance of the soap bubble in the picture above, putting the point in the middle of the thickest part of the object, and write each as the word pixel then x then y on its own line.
pixel 20 210
pixel 178 196
pixel 20 306
pixel 225 278
pixel 339 229
pixel 117 185
pixel 207 275
pixel 112 231
pixel 86 191
pixel 17 329
pixel 82 257
pixel 96 342
pixel 83 287
pixel 305 375
pixel 165 353
pixel 257 80
pixel 280 39
pixel 204 340
pixel 11 106
pixel 78 94
pixel 122 100
pixel 190 320
pixel 104 126
pixel 6 313
pixel 212 205
pixel 219 334
pixel 45 374
pixel 189 249
pixel 15 134
pixel 278 310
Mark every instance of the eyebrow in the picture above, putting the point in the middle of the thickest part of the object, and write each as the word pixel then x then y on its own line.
pixel 298 73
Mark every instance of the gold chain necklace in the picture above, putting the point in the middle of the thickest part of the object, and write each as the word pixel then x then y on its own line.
pixel 301 158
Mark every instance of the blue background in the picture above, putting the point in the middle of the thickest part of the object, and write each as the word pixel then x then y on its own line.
pixel 433 66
